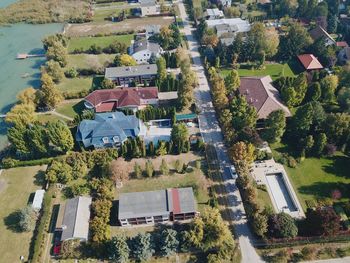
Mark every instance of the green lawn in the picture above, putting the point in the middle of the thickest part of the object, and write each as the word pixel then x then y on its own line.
pixel 274 70
pixel 316 178
pixel 264 198
pixel 16 186
pixel 44 118
pixel 75 85
pixel 70 109
pixel 88 61
pixel 86 42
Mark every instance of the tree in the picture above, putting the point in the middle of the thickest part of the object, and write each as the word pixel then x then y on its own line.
pixel 179 166
pixel 27 219
pixel 344 98
pixel 282 225
pixel 275 126
pixel 107 84
pixel 59 172
pixel 100 230
pixel 322 221
pixel 337 127
pixel 313 92
pixel 232 11
pixel 27 96
pixel 70 249
pixel 149 169
pixel 164 169
pixel 137 170
pixel 54 69
pixel 259 224
pixel 179 135
pixel 58 53
pixel 17 137
pixel 294 42
pixel 118 249
pixel 168 242
pixel 21 115
pixel 51 40
pixel 232 81
pixel 288 7
pixel 161 65
pixel 329 85
pixel 185 90
pixel 127 60
pixel 244 115
pixel 162 149
pixel 242 152
pixel 60 136
pixel 49 95
pixel 38 140
pixel 142 247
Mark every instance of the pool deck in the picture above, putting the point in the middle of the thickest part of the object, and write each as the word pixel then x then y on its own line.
pixel 280 199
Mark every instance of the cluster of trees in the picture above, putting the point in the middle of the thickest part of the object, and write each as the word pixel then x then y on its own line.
pixel 188 80
pixel 166 82
pixel 124 60
pixel 152 113
pixel 169 37
pixel 29 138
pixel 170 59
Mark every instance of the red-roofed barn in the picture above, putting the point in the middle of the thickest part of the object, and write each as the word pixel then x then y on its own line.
pixel 310 62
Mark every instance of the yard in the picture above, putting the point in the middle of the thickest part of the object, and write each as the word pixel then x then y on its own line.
pixel 75 85
pixel 85 42
pixel 71 108
pixel 274 70
pixel 89 61
pixel 315 178
pixel 16 187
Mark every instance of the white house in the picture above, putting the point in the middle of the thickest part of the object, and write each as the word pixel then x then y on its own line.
pixel 149 7
pixel 143 50
pixel 225 2
pixel 215 13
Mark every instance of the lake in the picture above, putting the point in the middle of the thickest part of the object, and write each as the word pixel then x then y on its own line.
pixel 16 75
pixel 4 3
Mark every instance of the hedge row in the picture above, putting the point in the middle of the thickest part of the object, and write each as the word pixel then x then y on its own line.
pixel 11 163
pixel 40 233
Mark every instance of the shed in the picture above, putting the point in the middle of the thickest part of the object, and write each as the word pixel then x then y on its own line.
pixel 38 199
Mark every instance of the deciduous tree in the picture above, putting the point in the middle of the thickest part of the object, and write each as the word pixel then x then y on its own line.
pixel 60 136
pixel 49 95
pixel 275 126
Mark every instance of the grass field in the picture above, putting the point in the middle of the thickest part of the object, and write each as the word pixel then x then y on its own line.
pixel 70 109
pixel 16 187
pixel 100 15
pixel 274 70
pixel 316 178
pixel 88 61
pixel 86 42
pixel 75 85
pixel 264 199
pixel 44 118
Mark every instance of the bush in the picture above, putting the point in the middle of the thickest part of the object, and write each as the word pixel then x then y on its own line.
pixel 292 163
pixel 27 219
pixel 9 162
pixel 308 253
pixel 71 73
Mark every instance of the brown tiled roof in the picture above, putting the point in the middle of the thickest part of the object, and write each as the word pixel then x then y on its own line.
pixel 309 62
pixel 260 93
pixel 109 99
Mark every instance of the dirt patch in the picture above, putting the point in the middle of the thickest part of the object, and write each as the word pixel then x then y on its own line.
pixel 136 24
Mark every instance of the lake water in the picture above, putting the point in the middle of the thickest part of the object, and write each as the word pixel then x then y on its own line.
pixel 19 38
pixel 4 3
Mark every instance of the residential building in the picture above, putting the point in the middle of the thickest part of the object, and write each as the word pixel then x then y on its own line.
pixel 149 7
pixel 38 199
pixel 107 100
pixel 73 219
pixel 225 3
pixel 264 97
pixel 109 130
pixel 152 30
pixel 215 13
pixel 143 50
pixel 175 204
pixel 319 32
pixel 310 62
pixel 125 75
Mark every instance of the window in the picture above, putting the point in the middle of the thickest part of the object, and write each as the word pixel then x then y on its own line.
pixel 116 139
pixel 105 139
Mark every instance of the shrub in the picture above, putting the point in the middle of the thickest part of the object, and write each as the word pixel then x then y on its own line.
pixel 308 253
pixel 27 219
pixel 71 73
pixel 179 167
pixel 292 163
pixel 9 162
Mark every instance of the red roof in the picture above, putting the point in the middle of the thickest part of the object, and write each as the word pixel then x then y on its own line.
pixel 342 44
pixel 176 201
pixel 110 99
pixel 310 62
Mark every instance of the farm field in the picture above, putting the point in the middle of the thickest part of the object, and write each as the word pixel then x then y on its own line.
pixel 16 187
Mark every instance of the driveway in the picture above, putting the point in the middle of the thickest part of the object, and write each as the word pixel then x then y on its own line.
pixel 211 133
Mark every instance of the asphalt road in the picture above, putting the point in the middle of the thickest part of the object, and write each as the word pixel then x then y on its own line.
pixel 211 132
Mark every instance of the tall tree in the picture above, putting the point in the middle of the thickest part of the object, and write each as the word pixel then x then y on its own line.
pixel 58 52
pixel 179 135
pixel 275 126
pixel 17 137
pixel 49 95
pixel 142 247
pixel 322 221
pixel 161 65
pixel 27 96
pixel 242 152
pixel 244 115
pixel 329 85
pixel 118 249
pixel 282 225
pixel 54 69
pixel 21 115
pixel 60 136
pixel 168 242
pixel 232 81
pixel 38 140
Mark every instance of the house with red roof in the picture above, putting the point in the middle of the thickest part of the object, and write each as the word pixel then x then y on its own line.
pixel 107 100
pixel 310 62
pixel 260 94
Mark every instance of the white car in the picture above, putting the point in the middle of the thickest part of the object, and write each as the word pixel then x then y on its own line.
pixel 233 172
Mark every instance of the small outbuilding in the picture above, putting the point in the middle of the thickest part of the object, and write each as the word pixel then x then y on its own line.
pixel 310 62
pixel 38 199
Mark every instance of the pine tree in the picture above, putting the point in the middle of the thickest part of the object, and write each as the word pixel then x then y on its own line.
pixel 142 247
pixel 149 169
pixel 179 166
pixel 168 242
pixel 118 249
pixel 137 170
pixel 164 169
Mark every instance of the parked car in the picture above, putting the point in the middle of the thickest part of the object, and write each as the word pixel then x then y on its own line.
pixel 233 172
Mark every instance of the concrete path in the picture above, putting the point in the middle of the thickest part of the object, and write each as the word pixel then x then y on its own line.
pixel 211 133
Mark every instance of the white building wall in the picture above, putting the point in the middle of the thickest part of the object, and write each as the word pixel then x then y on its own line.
pixel 149 10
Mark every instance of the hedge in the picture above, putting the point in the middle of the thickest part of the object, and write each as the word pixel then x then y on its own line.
pixel 40 233
pixel 11 163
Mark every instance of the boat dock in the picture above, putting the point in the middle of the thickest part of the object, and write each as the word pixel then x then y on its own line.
pixel 2 116
pixel 25 56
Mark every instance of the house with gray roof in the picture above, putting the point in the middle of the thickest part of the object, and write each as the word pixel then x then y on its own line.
pixel 143 50
pixel 109 129
pixel 149 7
pixel 175 204
pixel 125 75
pixel 73 219
pixel 213 13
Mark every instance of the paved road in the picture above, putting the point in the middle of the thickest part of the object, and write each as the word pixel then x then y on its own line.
pixel 211 132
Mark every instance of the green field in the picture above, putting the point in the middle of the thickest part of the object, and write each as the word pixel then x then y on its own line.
pixel 75 85
pixel 274 70
pixel 88 61
pixel 316 178
pixel 16 186
pixel 86 42
pixel 44 118
pixel 70 109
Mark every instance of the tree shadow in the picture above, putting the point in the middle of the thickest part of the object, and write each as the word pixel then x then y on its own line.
pixel 295 66
pixel 39 178
pixel 11 221
pixel 79 107
pixel 339 166
pixel 114 213
pixel 323 189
